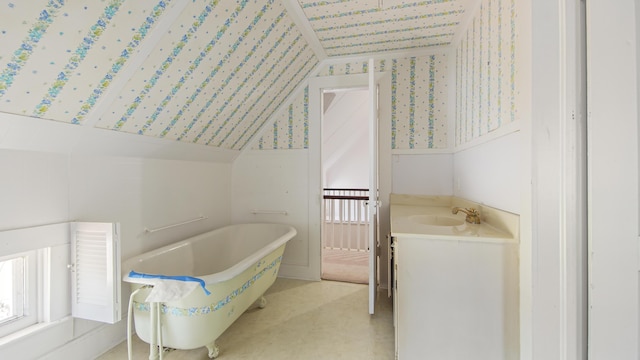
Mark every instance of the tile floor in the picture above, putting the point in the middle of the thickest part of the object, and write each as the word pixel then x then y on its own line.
pixel 303 320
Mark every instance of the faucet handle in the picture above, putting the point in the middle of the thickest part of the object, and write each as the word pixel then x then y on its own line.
pixel 473 216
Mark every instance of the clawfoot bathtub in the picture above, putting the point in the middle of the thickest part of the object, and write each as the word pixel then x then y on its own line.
pixel 236 264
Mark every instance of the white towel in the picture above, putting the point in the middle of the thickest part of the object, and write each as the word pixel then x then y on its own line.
pixel 166 290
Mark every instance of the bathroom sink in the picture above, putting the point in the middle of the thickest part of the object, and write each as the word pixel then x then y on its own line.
pixel 436 220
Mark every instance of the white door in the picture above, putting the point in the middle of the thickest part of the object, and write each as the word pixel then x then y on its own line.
pixel 381 163
pixel 373 186
pixel 612 65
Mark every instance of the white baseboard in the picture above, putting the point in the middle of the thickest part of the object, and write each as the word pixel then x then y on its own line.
pixel 92 344
pixel 297 273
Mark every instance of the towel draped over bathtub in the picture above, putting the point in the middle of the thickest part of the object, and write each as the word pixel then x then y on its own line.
pixel 170 288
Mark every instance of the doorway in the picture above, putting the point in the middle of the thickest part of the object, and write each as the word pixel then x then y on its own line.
pixel 378 270
pixel 345 180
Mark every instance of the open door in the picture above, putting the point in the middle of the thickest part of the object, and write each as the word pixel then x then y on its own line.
pixel 379 167
pixel 373 202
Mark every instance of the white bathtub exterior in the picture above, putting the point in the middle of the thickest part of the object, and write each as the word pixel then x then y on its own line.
pixel 238 264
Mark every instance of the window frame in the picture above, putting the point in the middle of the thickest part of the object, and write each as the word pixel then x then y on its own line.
pixel 32 288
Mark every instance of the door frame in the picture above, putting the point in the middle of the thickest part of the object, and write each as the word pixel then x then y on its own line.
pixel 316 87
pixel 553 222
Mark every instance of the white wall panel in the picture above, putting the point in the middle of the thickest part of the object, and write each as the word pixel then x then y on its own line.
pixel 496 182
pixel 277 180
pixel 422 174
pixel 33 189
pixel 149 193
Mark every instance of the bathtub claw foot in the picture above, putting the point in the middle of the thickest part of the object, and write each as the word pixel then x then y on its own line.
pixel 262 302
pixel 214 350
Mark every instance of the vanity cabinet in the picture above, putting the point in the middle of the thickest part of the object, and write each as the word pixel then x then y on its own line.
pixel 455 299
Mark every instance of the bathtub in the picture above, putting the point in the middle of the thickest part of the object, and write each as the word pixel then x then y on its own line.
pixel 237 264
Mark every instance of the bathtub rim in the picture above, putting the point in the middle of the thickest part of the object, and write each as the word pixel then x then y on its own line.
pixel 227 274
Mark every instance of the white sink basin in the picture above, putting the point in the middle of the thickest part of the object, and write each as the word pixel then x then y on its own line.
pixel 436 220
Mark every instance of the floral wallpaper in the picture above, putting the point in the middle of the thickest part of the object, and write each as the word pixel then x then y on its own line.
pixel 214 73
pixel 348 27
pixel 419 100
pixel 208 72
pixel 289 130
pixel 487 85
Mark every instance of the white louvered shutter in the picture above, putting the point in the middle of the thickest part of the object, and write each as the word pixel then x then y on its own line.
pixel 95 285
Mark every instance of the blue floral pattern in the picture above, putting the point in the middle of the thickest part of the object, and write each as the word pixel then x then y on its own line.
pixel 211 308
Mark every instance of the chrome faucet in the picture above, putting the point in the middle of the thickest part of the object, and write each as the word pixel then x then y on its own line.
pixel 473 216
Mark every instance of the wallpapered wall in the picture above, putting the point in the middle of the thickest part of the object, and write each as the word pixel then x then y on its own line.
pixel 487 72
pixel 209 72
pixel 487 88
pixel 418 105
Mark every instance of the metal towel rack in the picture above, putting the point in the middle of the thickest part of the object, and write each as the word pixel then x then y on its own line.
pixel 257 211
pixel 149 231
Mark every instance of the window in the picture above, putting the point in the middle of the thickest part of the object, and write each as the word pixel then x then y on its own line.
pixel 35 281
pixel 18 292
pixel 12 285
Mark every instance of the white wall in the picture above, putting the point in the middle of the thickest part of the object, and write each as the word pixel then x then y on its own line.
pixel 33 188
pixel 350 171
pixel 612 47
pixel 345 140
pixel 277 180
pixel 149 193
pixel 41 187
pixel 489 173
pixel 422 174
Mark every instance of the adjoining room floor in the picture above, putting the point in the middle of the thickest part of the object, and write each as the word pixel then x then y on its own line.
pixel 303 320
pixel 345 265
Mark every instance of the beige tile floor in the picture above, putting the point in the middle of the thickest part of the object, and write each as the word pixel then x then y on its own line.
pixel 303 320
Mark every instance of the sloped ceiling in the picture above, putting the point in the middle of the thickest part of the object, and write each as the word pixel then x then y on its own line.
pixel 356 27
pixel 208 72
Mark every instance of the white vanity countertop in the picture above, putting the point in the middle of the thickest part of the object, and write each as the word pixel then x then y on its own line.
pixel 406 209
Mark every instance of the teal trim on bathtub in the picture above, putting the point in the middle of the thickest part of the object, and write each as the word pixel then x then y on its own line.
pixel 204 310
